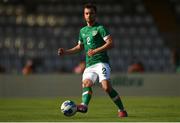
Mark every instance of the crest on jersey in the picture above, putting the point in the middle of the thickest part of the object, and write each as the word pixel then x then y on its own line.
pixel 83 35
pixel 94 33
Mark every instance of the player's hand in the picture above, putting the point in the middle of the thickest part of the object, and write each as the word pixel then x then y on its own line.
pixel 61 51
pixel 91 52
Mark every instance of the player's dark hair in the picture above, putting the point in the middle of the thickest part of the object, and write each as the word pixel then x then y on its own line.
pixel 90 6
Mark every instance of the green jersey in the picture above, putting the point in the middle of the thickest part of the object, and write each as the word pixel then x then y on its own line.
pixel 93 37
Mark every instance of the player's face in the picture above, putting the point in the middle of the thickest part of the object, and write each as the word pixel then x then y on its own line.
pixel 89 15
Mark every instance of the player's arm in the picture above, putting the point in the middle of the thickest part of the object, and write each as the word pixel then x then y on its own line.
pixel 76 49
pixel 108 45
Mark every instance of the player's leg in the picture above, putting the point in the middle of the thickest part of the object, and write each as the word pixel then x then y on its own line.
pixel 104 77
pixel 87 91
pixel 115 97
pixel 86 95
pixel 89 79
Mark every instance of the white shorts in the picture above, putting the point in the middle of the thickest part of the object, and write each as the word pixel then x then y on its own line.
pixel 97 72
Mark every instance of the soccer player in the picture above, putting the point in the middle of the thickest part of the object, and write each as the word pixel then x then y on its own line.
pixel 96 40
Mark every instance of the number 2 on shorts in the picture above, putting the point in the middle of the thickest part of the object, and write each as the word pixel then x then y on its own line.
pixel 104 71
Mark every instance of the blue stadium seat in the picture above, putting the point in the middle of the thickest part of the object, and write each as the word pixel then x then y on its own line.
pixel 41 31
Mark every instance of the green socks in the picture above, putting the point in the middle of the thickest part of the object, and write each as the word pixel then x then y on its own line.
pixel 116 99
pixel 86 95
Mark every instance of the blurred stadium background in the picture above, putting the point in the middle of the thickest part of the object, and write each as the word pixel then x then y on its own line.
pixel 146 30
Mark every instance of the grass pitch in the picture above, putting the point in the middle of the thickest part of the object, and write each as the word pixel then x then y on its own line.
pixel 101 109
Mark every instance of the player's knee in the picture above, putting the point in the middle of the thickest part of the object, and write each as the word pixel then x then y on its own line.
pixel 87 83
pixel 106 88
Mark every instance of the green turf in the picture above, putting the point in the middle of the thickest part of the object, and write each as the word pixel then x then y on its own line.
pixel 100 109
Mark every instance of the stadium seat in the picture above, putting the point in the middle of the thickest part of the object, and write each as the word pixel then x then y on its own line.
pixel 52 24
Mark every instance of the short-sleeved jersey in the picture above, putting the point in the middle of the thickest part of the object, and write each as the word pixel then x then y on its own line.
pixel 93 37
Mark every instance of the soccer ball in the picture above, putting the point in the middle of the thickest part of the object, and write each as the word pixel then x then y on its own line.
pixel 68 108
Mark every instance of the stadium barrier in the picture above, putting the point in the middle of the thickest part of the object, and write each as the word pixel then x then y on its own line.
pixel 57 85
